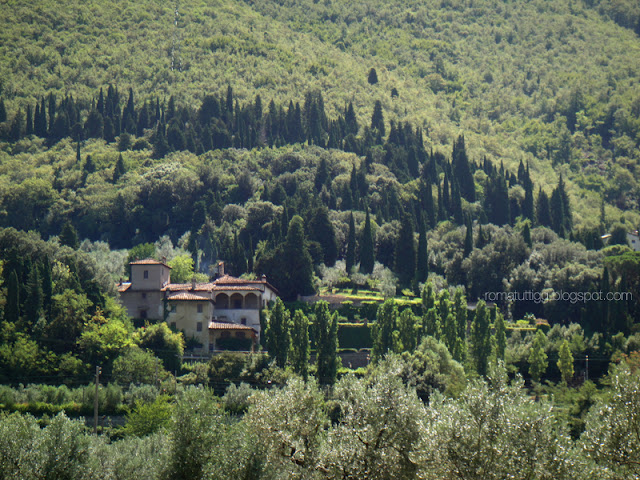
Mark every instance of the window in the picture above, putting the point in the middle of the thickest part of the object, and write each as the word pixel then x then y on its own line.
pixel 199 309
pixel 237 304
pixel 144 295
pixel 243 321
pixel 199 326
pixel 143 314
pixel 173 308
pixel 146 274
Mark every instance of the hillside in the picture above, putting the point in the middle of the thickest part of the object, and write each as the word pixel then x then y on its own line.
pixel 552 83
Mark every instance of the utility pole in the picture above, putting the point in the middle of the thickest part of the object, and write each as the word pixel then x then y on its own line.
pixel 95 401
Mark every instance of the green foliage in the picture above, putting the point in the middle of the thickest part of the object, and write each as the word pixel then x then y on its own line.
pixel 610 437
pixel 537 357
pixel 383 329
pixel 136 365
pixel 147 418
pixel 565 362
pixel 278 334
pixel 326 342
pixel 195 432
pixel 300 344
pixel 167 345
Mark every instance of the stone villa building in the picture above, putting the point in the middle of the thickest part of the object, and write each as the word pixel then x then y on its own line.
pixel 216 315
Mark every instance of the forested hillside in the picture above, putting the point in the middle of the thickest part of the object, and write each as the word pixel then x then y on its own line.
pixel 552 83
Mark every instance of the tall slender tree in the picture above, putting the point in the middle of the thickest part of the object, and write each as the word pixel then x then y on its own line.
pixel 367 254
pixel 300 344
pixel 326 337
pixel 278 334
pixel 350 258
pixel 405 252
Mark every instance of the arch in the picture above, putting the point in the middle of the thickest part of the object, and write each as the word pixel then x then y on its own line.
pixel 251 301
pixel 236 301
pixel 222 301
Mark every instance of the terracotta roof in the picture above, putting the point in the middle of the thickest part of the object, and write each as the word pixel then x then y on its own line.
pixel 176 287
pixel 235 288
pixel 228 326
pixel 229 280
pixel 148 261
pixel 188 296
pixel 123 287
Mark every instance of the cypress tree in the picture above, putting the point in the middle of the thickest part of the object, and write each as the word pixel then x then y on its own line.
pixel 29 127
pixel 565 361
pixel 406 338
pixel 321 230
pixel 52 111
pixel 556 206
pixel 47 286
pixel 428 297
pixel 468 238
pixel 367 254
pixel 34 307
pixel 300 344
pixel 456 203
pixel 460 309
pixel 446 204
pixel 350 259
pixel 3 111
pixel 537 357
pixel 500 336
pixel 69 236
pixel 428 203
pixel 372 78
pixel 119 169
pixel 526 235
pixel 40 127
pixel 462 171
pixel 12 307
pixel 405 252
pixel 350 120
pixel 481 338
pixel 297 261
pixel 326 336
pixel 278 334
pixel 422 260
pixel 383 329
pixel 377 118
pixel 543 210
pixel 100 106
pixel 16 129
pixel 432 324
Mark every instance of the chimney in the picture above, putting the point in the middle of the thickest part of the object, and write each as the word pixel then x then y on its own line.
pixel 193 283
pixel 220 269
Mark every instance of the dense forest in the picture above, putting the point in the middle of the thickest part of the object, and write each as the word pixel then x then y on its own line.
pixel 456 178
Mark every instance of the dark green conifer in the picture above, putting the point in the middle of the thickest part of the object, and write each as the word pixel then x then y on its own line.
pixel 367 254
pixel 12 307
pixel 372 77
pixel 3 111
pixel 69 235
pixel 405 252
pixel 468 238
pixel 350 259
pixel 422 260
pixel 377 118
